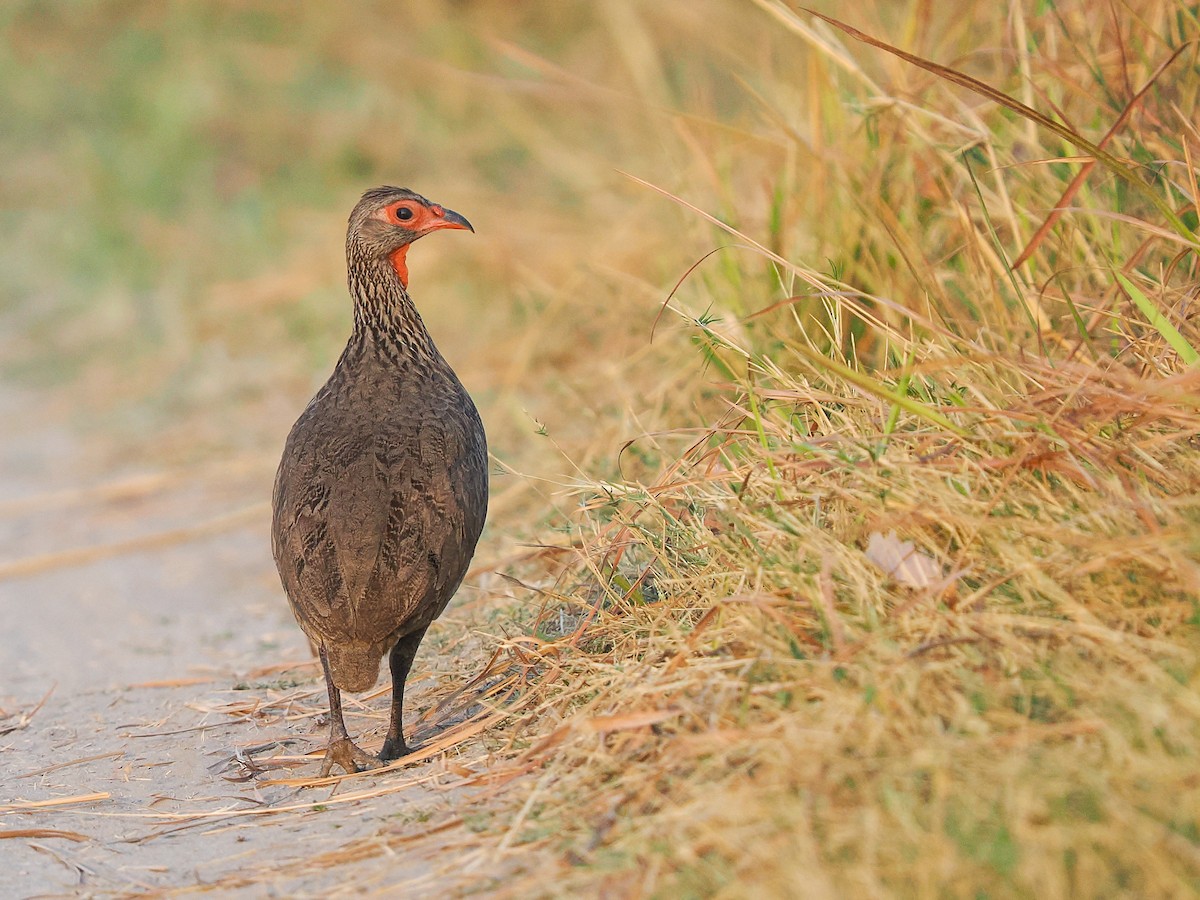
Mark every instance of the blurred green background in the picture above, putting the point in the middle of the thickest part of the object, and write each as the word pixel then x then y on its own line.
pixel 177 177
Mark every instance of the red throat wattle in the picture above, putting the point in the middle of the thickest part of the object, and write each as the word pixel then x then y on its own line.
pixel 400 263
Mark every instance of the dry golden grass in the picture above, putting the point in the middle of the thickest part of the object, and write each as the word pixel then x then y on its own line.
pixel 731 699
pixel 933 312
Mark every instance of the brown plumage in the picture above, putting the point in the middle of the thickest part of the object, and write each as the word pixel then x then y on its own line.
pixel 382 489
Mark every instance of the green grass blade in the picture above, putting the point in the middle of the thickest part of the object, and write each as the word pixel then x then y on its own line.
pixel 1161 324
pixel 986 90
pixel 996 242
pixel 874 387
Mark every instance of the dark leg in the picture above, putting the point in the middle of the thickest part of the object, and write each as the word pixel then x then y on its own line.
pixel 342 751
pixel 401 661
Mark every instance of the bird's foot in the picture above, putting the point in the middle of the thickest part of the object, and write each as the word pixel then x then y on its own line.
pixel 345 753
pixel 394 749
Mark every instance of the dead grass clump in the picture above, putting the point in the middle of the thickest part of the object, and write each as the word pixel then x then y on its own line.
pixel 784 707
pixel 735 693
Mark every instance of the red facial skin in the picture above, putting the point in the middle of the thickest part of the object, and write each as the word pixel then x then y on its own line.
pixel 423 219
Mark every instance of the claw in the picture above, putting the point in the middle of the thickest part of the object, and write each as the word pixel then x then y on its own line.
pixel 345 753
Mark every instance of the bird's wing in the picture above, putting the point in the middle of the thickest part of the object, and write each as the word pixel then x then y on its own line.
pixel 437 474
pixel 406 521
pixel 331 503
pixel 466 483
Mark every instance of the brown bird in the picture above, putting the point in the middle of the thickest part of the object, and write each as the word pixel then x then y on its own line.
pixel 382 490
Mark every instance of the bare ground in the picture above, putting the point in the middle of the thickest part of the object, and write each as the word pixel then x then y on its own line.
pixel 155 690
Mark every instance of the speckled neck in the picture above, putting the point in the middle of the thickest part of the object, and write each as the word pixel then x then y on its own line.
pixel 385 318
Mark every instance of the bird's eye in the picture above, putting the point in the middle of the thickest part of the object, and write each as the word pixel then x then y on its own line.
pixel 403 213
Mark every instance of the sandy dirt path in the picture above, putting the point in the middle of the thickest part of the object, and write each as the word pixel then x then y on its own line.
pixel 148 662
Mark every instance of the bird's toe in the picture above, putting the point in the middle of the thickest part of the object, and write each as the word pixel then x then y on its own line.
pixel 352 758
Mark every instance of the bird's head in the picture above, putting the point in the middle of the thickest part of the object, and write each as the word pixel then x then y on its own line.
pixel 388 219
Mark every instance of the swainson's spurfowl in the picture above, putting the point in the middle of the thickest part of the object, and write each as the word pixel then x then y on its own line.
pixel 382 490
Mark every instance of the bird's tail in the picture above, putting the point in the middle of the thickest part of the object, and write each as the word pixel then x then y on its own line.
pixel 354 666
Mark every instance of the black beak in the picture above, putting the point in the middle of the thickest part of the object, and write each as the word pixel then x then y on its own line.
pixel 454 220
